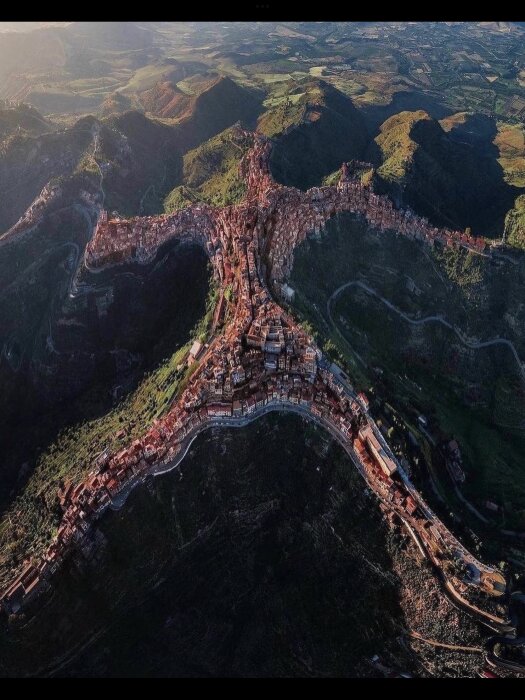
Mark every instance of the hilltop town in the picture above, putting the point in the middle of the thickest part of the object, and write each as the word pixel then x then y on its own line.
pixel 289 216
pixel 261 361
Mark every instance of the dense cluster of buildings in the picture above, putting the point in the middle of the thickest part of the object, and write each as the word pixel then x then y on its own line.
pixel 35 212
pixel 287 216
pixel 262 359
pixel 117 240
pixel 297 214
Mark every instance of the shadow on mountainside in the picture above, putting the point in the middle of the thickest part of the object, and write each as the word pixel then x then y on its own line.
pixel 451 177
pixel 68 360
pixel 264 556
pixel 375 115
pixel 329 131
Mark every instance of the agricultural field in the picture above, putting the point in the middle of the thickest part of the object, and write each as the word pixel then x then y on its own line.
pixel 371 64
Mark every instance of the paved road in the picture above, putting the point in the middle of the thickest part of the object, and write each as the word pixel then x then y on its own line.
pixel 163 468
pixel 345 444
pixel 426 319
pixel 244 421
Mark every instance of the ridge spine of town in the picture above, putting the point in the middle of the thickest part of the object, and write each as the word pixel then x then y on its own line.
pixel 260 361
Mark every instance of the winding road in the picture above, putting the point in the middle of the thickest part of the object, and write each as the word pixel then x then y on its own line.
pixel 421 321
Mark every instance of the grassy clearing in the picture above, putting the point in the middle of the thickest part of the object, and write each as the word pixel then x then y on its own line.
pixel 228 67
pixel 145 78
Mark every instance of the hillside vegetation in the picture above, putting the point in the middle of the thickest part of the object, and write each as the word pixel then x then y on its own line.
pixel 476 395
pixel 176 94
pixel 397 146
pixel 315 129
pixel 32 517
pixel 23 119
pixel 199 565
pixel 219 106
pixel 56 345
pixel 510 141
pixel 150 156
pixel 447 171
pixel 28 161
pixel 166 100
pixel 515 224
pixel 134 160
pixel 211 172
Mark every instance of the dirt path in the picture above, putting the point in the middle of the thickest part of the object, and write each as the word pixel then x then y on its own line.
pixel 434 643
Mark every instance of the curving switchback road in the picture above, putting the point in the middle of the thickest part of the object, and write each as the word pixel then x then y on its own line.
pixel 421 321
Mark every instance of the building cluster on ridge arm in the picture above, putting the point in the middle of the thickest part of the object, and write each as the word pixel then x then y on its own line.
pixel 117 240
pixel 262 359
pixel 298 214
pixel 289 215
